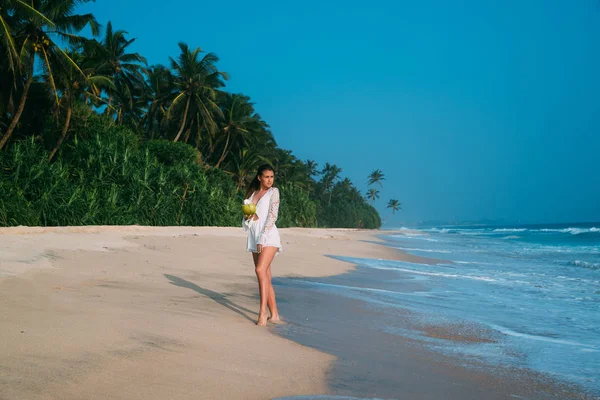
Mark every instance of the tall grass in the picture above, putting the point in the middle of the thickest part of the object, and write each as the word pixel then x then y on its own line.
pixel 108 178
pixel 105 175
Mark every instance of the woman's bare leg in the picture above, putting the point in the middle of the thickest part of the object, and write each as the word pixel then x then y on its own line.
pixel 271 303
pixel 264 284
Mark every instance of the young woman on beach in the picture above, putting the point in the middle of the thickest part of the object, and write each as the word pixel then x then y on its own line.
pixel 263 237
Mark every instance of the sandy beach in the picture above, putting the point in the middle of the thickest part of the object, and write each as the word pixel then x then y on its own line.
pixel 168 313
pixel 138 313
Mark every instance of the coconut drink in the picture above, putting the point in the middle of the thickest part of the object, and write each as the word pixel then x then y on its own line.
pixel 248 208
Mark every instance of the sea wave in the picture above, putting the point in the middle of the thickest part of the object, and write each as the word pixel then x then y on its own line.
pixel 314 284
pixel 581 263
pixel 531 336
pixel 488 231
pixel 440 274
pixel 439 230
pixel 424 250
pixel 415 236
pixel 572 231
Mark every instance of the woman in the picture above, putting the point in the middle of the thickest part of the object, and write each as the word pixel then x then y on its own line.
pixel 263 237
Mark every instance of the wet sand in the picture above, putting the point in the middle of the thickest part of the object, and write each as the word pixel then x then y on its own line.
pixel 373 363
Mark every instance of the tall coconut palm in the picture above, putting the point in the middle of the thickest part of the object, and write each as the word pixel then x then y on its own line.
pixel 197 81
pixel 394 205
pixel 311 168
pixel 73 86
pixel 373 194
pixel 7 91
pixel 244 164
pixel 126 70
pixel 160 88
pixel 346 184
pixel 355 195
pixel 130 103
pixel 238 123
pixel 376 177
pixel 285 164
pixel 41 25
pixel 330 174
pixel 8 20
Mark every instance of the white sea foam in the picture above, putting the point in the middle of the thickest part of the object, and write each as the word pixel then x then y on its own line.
pixel 438 230
pixel 423 250
pixel 580 263
pixel 418 236
pixel 469 233
pixel 511 332
pixel 442 274
pixel 362 289
pixel 325 397
pixel 572 231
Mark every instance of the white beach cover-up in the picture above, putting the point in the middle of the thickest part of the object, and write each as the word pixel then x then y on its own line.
pixel 263 230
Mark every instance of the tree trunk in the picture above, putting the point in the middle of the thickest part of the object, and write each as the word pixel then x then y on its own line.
pixel 108 104
pixel 153 129
pixel 63 135
pixel 17 116
pixel 187 106
pixel 224 151
pixel 187 135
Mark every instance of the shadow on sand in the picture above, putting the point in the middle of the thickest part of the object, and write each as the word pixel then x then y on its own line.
pixel 217 297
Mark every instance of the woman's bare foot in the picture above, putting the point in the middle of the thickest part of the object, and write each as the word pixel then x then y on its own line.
pixel 276 320
pixel 262 320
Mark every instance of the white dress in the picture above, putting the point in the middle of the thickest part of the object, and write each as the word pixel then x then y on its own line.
pixel 263 230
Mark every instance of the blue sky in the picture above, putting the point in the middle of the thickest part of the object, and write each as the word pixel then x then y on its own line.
pixel 473 109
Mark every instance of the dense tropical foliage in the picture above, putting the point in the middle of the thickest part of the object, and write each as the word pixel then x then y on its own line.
pixel 91 134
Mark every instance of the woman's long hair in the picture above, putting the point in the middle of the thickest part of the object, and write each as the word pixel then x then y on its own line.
pixel 255 184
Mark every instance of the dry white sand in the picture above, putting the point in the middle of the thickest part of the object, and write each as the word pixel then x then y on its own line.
pixel 155 313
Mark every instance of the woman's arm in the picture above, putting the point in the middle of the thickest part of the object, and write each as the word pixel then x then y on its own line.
pixel 272 217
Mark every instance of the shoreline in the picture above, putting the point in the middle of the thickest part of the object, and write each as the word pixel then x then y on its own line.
pixel 147 312
pixel 376 363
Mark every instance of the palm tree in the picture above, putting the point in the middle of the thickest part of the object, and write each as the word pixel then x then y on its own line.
pixel 311 168
pixel 7 90
pixel 196 81
pixel 376 177
pixel 346 184
pixel 394 205
pixel 160 89
pixel 7 40
pixel 41 23
pixel 126 69
pixel 286 165
pixel 373 194
pixel 355 195
pixel 74 86
pixel 330 173
pixel 239 121
pixel 244 164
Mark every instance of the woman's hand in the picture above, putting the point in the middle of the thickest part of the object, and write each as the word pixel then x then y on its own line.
pixel 259 248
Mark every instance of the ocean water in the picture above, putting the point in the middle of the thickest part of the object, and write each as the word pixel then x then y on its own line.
pixel 535 288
